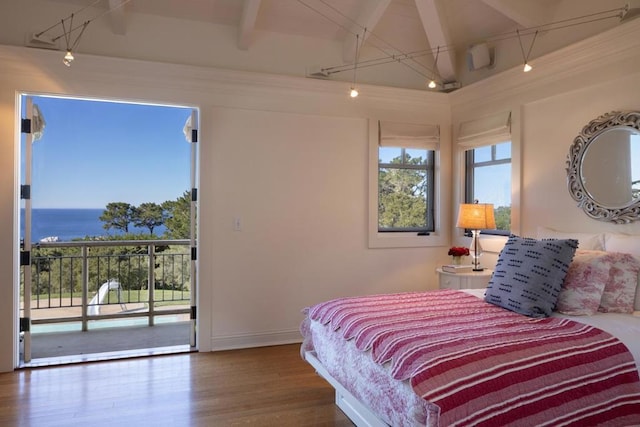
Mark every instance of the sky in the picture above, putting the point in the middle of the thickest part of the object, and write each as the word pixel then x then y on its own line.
pixel 93 152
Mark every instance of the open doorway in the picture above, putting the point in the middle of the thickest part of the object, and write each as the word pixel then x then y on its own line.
pixel 107 229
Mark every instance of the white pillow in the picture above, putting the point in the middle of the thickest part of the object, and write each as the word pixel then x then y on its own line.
pixel 614 242
pixel 586 241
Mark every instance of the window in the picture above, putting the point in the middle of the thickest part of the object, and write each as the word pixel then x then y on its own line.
pixel 404 166
pixel 488 180
pixel 405 189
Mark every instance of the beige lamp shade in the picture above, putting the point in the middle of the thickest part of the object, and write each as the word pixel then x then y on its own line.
pixel 476 216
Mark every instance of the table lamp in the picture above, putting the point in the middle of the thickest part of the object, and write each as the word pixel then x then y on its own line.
pixel 476 216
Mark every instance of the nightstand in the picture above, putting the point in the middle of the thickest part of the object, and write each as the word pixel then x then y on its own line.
pixel 469 280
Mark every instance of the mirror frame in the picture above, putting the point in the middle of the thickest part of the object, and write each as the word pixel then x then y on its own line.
pixel 594 209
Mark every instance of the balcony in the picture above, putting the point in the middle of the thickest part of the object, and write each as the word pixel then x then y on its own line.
pixel 97 297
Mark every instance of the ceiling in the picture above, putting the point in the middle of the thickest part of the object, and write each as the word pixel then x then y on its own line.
pixel 430 39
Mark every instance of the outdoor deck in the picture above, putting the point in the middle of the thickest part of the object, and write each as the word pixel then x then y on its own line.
pixel 101 299
pixel 53 348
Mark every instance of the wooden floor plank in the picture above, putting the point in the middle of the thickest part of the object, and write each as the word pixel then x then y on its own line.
pixel 268 386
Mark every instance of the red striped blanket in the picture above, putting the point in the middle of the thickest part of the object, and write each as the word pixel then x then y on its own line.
pixel 483 365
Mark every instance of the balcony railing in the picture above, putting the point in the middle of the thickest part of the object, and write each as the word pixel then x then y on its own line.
pixel 94 280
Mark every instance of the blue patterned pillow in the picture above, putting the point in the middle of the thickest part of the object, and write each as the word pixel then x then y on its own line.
pixel 529 273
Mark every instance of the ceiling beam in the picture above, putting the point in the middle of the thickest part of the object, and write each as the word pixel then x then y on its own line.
pixel 437 32
pixel 248 23
pixel 116 16
pixel 368 18
pixel 526 13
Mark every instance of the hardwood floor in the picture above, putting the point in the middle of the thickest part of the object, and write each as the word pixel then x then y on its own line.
pixel 268 386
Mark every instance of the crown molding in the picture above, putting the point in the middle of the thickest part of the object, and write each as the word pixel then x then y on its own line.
pixel 38 70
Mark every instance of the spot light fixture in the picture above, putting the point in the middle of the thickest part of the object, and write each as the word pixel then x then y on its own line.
pixel 354 92
pixel 432 84
pixel 71 44
pixel 68 29
pixel 68 58
pixel 526 67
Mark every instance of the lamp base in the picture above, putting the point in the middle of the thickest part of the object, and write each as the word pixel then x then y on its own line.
pixel 475 249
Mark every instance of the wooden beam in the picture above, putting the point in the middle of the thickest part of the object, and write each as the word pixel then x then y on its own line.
pixel 116 17
pixel 248 23
pixel 526 13
pixel 437 32
pixel 368 18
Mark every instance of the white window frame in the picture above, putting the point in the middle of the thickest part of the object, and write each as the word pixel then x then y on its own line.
pixel 409 239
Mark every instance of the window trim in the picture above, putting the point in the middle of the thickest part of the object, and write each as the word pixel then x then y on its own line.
pixel 401 239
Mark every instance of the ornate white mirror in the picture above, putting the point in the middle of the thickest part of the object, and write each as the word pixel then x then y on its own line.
pixel 603 167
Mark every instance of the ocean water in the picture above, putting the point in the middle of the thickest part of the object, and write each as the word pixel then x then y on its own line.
pixel 69 224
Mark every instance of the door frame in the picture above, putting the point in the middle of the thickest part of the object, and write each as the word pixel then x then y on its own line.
pixel 28 127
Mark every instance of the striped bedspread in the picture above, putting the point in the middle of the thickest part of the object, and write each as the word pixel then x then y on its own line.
pixel 483 365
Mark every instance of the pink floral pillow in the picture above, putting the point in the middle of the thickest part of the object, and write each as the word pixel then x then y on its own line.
pixel 620 290
pixel 584 284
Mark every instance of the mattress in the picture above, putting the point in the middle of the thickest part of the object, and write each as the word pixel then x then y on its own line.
pixel 393 401
pixel 396 402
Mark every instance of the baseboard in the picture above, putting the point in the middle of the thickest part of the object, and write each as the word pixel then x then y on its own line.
pixel 232 342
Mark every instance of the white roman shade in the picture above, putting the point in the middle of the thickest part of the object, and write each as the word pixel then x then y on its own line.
pixel 487 130
pixel 408 135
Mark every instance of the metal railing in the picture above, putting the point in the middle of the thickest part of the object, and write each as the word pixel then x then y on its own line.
pixel 95 280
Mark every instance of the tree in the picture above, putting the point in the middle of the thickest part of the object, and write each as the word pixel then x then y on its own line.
pixel 117 215
pixel 149 215
pixel 503 217
pixel 402 195
pixel 178 217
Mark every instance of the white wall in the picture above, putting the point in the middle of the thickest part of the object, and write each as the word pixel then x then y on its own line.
pixel 298 183
pixel 550 106
pixel 546 197
pixel 288 156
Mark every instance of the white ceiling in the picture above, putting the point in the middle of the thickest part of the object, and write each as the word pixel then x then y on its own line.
pixel 406 33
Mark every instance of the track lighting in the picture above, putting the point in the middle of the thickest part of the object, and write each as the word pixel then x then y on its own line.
pixel 479 55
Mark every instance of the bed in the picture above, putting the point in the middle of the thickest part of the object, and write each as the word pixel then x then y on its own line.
pixel 447 357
